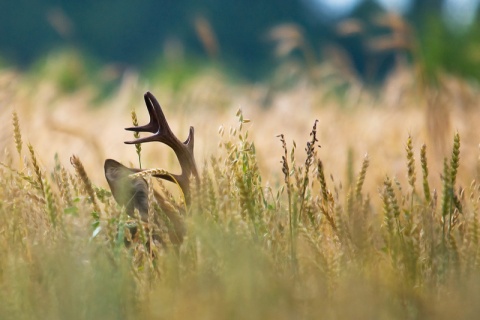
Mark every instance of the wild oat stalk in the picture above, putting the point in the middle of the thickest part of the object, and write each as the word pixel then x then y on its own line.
pixel 411 164
pixel 323 182
pixel 446 194
pixel 136 135
pixel 310 150
pixel 150 172
pixel 393 203
pixel 411 173
pixel 245 196
pixel 45 189
pixel 449 177
pixel 455 160
pixel 388 212
pixel 426 186
pixel 361 177
pixel 140 226
pixel 159 171
pixel 87 184
pixel 17 135
pixel 36 168
pixel 328 201
pixel 208 192
pixel 454 164
pixel 51 204
pixel 151 217
pixel 65 187
pixel 291 215
pixel 474 229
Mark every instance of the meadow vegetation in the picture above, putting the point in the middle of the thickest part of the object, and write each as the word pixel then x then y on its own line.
pixel 312 204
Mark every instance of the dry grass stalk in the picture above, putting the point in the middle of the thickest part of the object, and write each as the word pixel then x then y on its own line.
pixel 87 184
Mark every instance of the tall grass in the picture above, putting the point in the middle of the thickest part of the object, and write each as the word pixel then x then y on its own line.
pixel 288 227
pixel 308 247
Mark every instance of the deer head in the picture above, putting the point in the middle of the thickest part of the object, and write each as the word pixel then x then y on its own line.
pixel 133 193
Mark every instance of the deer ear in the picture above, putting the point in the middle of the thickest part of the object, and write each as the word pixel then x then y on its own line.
pixel 131 193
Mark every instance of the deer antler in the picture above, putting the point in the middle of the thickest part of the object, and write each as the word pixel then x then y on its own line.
pixel 133 192
pixel 158 125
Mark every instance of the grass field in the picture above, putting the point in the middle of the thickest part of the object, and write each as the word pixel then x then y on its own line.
pixel 369 213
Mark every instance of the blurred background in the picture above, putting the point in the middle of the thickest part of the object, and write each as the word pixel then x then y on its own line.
pixel 378 70
pixel 248 40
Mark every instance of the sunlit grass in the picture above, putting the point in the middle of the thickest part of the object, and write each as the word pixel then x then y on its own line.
pixel 371 212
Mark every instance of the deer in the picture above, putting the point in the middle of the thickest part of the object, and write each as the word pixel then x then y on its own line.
pixel 132 193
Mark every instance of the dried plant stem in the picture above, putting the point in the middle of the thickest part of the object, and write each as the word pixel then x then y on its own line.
pixel 17 135
pixel 411 164
pixel 446 195
pixel 136 135
pixel 361 177
pixel 321 179
pixel 87 184
pixel 36 168
pixel 291 216
pixel 426 186
pixel 310 150
pixel 393 203
pixel 455 160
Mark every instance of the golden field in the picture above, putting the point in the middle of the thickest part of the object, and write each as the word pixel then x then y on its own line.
pixel 326 233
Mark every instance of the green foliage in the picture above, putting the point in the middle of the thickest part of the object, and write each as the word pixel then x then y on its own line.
pixel 443 51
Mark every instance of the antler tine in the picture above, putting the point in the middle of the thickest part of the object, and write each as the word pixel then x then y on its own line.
pixel 152 125
pixel 158 125
pixel 190 140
